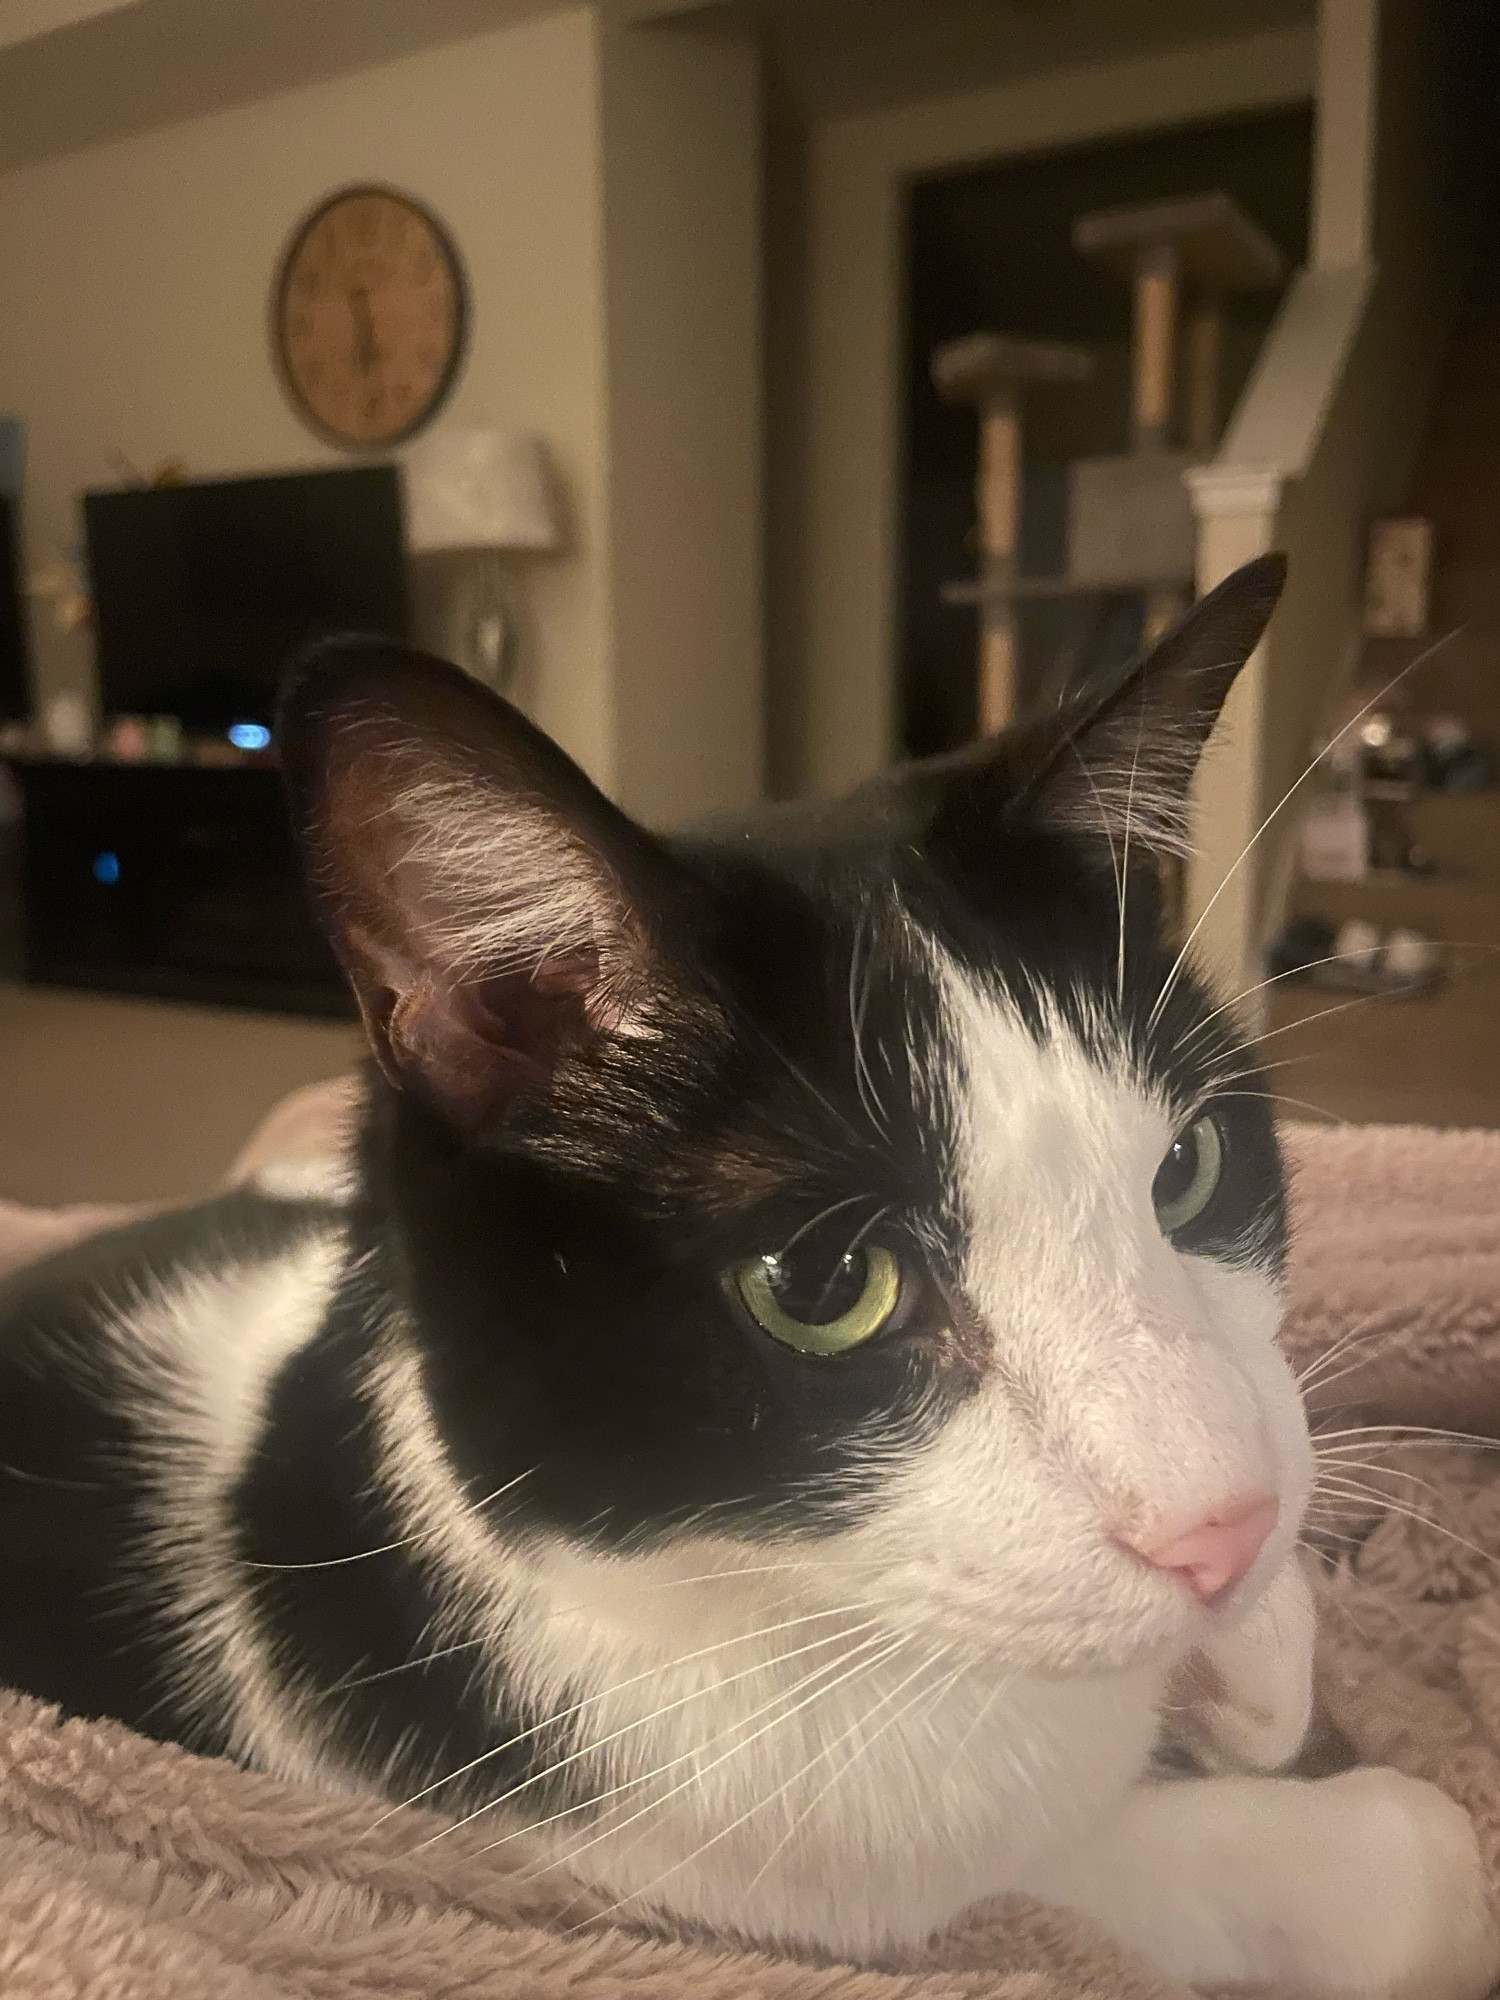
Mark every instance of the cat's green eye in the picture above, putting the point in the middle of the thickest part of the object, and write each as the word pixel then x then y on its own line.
pixel 1188 1175
pixel 816 1307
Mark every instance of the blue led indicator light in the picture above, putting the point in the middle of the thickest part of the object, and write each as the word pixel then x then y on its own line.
pixel 107 868
pixel 249 735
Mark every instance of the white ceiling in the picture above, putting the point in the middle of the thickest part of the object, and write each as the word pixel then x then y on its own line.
pixel 22 20
pixel 75 72
pixel 834 57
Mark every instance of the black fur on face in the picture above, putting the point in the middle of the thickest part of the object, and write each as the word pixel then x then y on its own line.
pixel 614 1067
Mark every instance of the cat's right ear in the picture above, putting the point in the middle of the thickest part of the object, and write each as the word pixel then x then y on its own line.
pixel 1115 765
pixel 492 909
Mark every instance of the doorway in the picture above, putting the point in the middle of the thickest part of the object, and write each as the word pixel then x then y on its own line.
pixel 990 248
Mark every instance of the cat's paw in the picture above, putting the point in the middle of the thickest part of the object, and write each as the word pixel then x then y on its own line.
pixel 1393 1896
pixel 1245 1697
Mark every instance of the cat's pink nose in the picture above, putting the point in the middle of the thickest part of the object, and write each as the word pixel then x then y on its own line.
pixel 1213 1557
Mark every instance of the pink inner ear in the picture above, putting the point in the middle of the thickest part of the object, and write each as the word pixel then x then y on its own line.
pixel 475 1045
pixel 472 1044
pixel 535 1013
pixel 470 881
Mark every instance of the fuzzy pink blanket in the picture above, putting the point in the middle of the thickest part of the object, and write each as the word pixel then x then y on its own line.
pixel 131 1871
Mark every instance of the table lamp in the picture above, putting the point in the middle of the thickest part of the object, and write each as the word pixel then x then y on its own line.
pixel 485 493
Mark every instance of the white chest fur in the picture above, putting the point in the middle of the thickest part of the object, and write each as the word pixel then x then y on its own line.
pixel 859 1804
pixel 762 1746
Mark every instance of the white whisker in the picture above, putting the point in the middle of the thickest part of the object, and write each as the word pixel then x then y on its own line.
pixel 388 1548
pixel 733 1826
pixel 864 1082
pixel 597 1744
pixel 1135 759
pixel 862 1749
pixel 1354 1491
pixel 614 1824
pixel 776 1722
pixel 650 1673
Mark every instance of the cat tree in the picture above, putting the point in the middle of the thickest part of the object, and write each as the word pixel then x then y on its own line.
pixel 1130 524
pixel 994 371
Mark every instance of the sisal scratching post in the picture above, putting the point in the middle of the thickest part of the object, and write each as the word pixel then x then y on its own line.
pixel 1153 347
pixel 1194 248
pixel 1204 354
pixel 992 371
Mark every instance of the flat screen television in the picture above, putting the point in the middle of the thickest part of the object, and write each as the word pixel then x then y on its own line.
pixel 203 591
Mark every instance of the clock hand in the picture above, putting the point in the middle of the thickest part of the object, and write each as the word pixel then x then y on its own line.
pixel 366 352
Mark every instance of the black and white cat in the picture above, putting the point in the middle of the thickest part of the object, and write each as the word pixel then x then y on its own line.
pixel 789 1376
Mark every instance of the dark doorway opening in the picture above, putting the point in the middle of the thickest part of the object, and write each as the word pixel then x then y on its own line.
pixel 991 248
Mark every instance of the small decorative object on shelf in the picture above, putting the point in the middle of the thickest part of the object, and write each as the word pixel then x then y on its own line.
pixel 1454 761
pixel 166 741
pixel 1301 943
pixel 1336 839
pixel 1398 579
pixel 1357 944
pixel 127 741
pixel 1410 955
pixel 1308 951
pixel 1390 755
pixel 63 584
pixel 67 725
pixel 1396 754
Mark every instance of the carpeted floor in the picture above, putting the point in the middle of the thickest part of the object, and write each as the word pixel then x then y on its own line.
pixel 126 1100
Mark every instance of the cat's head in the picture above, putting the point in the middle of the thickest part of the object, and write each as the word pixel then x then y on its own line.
pixel 865 1180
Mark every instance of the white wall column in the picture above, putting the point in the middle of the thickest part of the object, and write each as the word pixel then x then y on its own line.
pixel 681 188
pixel 1237 508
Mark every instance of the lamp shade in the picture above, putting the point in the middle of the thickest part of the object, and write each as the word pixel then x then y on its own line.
pixel 481 489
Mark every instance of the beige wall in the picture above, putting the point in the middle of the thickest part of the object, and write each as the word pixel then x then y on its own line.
pixel 133 316
pixel 682 220
pixel 859 169
pixel 20 19
pixel 136 277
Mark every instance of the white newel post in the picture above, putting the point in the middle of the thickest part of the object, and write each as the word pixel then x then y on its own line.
pixel 1237 508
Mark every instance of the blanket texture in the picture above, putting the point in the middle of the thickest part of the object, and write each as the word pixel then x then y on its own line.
pixel 129 1869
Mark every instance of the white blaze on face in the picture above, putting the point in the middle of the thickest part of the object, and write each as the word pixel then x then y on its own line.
pixel 1132 1390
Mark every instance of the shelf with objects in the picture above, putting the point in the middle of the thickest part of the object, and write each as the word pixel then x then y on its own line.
pixel 1392 883
pixel 175 881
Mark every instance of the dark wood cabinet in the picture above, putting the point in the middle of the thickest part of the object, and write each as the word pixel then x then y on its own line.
pixel 179 881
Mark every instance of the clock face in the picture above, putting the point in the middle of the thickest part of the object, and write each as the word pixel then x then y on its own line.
pixel 368 317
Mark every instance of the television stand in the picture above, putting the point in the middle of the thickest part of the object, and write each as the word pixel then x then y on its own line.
pixel 171 881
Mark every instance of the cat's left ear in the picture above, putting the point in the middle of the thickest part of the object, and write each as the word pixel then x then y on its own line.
pixel 1125 754
pixel 494 912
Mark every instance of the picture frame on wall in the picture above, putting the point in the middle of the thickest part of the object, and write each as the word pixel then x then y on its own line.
pixel 1398 577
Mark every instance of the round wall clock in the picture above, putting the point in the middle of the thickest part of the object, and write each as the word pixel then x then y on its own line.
pixel 368 317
